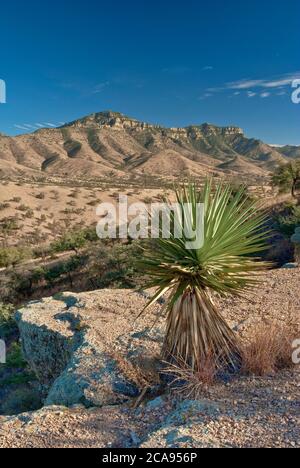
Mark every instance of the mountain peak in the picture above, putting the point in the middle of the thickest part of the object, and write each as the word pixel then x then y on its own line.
pixel 105 118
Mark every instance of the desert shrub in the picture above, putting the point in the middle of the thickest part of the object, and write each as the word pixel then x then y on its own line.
pixel 7 321
pixel 15 357
pixel 29 214
pixel 269 349
pixel 21 400
pixel 289 221
pixel 147 200
pixel 70 241
pixel 55 194
pixel 23 208
pixel 72 203
pixel 4 206
pixel 74 194
pixel 187 382
pixel 94 202
pixel 37 275
pixel 16 199
pixel 40 196
pixel 65 269
pixel 111 265
pixel 287 177
pixel 91 234
pixel 8 225
pixel 281 252
pixel 4 258
pixel 12 256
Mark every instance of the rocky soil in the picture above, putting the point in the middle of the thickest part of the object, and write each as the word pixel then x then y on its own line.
pixel 94 359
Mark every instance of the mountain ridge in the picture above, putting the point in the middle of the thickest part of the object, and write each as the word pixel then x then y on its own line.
pixel 108 141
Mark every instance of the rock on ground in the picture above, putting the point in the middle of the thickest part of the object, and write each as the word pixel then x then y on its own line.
pixel 88 348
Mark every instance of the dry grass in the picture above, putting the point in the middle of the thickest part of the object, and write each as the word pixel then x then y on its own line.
pixel 134 373
pixel 266 351
pixel 188 382
pixel 269 349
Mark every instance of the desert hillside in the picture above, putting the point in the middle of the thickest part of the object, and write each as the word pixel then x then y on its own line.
pixel 109 143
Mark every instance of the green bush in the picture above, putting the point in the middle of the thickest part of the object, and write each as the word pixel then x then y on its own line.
pixel 289 221
pixel 12 256
pixel 70 241
pixel 7 322
pixel 21 400
pixel 15 357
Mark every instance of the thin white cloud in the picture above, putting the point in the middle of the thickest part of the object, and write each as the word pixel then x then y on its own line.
pixel 265 95
pixel 251 94
pixel 243 84
pixel 277 82
pixel 205 96
pixel 208 68
pixel 100 87
pixel 21 127
pixel 29 126
pixel 254 85
pixel 36 126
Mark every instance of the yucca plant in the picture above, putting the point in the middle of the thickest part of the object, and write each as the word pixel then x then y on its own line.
pixel 226 263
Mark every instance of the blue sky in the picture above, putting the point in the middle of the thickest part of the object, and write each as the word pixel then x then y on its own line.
pixel 167 62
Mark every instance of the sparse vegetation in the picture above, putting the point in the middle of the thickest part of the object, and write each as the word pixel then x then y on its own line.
pixel 21 400
pixel 4 206
pixel 12 256
pixel 7 322
pixel 289 220
pixel 18 390
pixel 70 241
pixel 40 196
pixel 269 349
pixel 287 178
pixel 23 208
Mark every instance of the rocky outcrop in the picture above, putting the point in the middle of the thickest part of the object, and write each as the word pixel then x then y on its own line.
pixel 89 348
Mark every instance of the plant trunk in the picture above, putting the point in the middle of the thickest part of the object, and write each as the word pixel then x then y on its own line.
pixel 196 331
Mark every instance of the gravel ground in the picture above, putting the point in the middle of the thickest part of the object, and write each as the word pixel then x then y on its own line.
pixel 247 412
pixel 262 412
